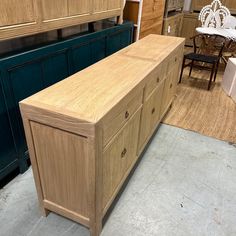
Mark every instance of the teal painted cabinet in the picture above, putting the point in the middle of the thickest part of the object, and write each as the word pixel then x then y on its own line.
pixel 26 73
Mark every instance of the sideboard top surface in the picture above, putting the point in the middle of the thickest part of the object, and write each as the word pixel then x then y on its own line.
pixel 90 94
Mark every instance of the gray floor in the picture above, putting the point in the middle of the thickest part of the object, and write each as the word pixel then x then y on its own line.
pixel 184 186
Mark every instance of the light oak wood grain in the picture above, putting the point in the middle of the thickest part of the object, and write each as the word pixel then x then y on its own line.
pixel 15 12
pixel 90 129
pixel 20 18
pixel 62 160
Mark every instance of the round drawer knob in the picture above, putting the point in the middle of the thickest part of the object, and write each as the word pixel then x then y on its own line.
pixel 126 114
pixel 153 110
pixel 158 80
pixel 176 59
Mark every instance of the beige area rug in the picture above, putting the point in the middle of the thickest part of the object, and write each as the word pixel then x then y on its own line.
pixel 211 113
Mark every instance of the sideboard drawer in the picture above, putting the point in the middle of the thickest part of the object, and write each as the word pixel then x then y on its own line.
pixel 174 58
pixel 113 124
pixel 155 78
pixel 119 156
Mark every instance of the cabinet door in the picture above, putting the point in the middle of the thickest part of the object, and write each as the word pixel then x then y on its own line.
pixel 114 4
pixel 171 80
pixel 119 157
pixel 8 154
pixel 15 12
pixel 78 7
pixel 151 114
pixel 54 9
pixel 100 6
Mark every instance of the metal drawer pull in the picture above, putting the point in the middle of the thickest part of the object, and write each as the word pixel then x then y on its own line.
pixel 123 153
pixel 126 114
pixel 153 110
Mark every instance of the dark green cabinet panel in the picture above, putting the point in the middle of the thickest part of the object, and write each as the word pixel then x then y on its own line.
pixel 8 154
pixel 26 73
pixel 55 68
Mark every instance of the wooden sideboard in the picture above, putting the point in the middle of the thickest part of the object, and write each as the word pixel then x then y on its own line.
pixel 20 18
pixel 197 5
pixel 85 133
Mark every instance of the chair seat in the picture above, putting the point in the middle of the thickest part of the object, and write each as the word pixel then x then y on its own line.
pixel 201 57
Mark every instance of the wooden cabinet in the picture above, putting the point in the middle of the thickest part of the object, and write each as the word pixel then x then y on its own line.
pixel 90 131
pixel 20 18
pixel 173 25
pixel 152 17
pixel 190 23
pixel 147 16
pixel 197 5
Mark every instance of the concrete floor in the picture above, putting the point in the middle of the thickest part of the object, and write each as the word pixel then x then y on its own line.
pixel 184 186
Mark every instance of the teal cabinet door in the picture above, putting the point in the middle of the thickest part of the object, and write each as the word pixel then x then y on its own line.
pixel 8 154
pixel 88 53
pixel 55 68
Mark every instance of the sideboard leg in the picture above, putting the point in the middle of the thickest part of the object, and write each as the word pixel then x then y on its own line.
pixel 45 212
pixel 96 229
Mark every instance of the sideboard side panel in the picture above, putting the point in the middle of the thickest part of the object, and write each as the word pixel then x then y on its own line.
pixel 66 189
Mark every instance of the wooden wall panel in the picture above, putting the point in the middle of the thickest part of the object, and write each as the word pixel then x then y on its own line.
pixel 14 12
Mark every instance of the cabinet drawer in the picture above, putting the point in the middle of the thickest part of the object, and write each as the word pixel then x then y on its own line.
pixel 174 59
pixel 115 121
pixel 151 114
pixel 155 78
pixel 118 157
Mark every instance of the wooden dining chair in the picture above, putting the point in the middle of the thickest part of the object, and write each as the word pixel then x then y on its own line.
pixel 206 55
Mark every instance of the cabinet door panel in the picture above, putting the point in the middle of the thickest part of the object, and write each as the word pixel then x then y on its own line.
pixel 100 5
pixel 54 9
pixel 78 7
pixel 151 114
pixel 114 4
pixel 55 68
pixel 118 158
pixel 8 152
pixel 15 12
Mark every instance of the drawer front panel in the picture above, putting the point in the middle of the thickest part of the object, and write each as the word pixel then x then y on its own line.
pixel 113 124
pixel 151 114
pixel 119 156
pixel 155 78
pixel 174 59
